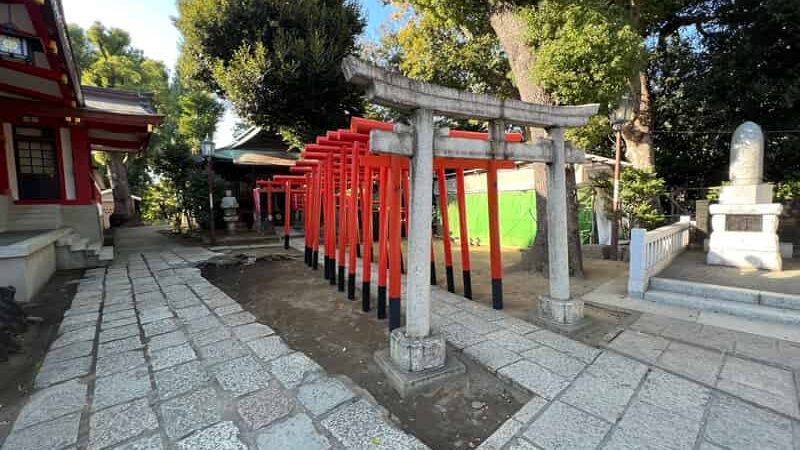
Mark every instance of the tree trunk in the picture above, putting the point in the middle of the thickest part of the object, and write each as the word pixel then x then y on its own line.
pixel 638 140
pixel 510 30
pixel 118 174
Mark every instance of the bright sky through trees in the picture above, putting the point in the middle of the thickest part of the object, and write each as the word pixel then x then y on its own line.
pixel 150 26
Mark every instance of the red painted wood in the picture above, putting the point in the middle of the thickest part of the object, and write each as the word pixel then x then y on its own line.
pixel 82 164
pixel 462 220
pixel 448 252
pixel 5 186
pixel 494 224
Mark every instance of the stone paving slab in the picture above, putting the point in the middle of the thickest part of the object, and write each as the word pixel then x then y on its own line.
pixel 159 384
pixel 174 363
pixel 754 368
pixel 618 398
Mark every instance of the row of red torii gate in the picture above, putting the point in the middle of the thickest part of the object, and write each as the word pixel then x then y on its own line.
pixel 338 183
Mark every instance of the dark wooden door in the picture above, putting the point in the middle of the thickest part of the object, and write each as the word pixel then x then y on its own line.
pixel 37 164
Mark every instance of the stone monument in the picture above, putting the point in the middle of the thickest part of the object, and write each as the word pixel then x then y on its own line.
pixel 744 223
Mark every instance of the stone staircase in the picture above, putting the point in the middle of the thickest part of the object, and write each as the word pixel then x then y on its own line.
pixel 747 303
pixel 34 217
pixel 76 252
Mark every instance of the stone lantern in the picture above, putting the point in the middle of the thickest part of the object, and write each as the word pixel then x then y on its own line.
pixel 230 209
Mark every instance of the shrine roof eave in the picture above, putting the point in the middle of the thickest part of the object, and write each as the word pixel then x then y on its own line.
pixel 397 91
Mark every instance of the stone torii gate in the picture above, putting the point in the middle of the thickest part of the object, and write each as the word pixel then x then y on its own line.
pixel 414 349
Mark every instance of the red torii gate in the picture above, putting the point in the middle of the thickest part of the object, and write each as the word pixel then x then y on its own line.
pixel 339 174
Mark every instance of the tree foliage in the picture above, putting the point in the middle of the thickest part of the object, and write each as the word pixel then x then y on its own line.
pixel 277 61
pixel 639 193
pixel 107 59
pixel 737 61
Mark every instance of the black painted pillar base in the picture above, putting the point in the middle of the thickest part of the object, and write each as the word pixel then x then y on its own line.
pixel 351 286
pixel 341 279
pixel 394 313
pixel 365 296
pixel 433 273
pixel 315 259
pixel 307 256
pixel 467 284
pixel 497 293
pixel 451 282
pixel 332 276
pixel 286 242
pixel 381 302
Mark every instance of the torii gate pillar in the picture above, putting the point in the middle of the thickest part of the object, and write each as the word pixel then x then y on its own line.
pixel 559 307
pixel 414 348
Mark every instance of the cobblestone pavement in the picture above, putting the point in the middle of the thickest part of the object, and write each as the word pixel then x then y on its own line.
pixel 634 395
pixel 152 356
pixel 762 370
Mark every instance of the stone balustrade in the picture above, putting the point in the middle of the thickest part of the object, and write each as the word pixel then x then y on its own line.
pixel 652 251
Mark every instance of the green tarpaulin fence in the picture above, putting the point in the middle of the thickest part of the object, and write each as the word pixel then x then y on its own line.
pixel 517 218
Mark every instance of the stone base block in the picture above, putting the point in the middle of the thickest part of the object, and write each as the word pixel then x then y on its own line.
pixel 417 354
pixel 787 250
pixel 407 383
pixel 745 259
pixel 745 194
pixel 744 241
pixel 564 314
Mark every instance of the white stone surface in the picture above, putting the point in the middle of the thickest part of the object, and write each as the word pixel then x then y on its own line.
pixel 747 155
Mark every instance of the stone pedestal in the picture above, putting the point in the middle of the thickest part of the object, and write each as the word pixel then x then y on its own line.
pixel 412 363
pixel 745 236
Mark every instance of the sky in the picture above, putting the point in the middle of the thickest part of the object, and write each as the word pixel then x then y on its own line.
pixel 150 26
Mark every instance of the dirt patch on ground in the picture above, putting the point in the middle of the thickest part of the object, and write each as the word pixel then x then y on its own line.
pixel 319 321
pixel 17 374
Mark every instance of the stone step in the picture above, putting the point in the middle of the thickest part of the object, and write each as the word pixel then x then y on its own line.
pixel 696 289
pixel 729 293
pixel 79 244
pixel 106 253
pixel 68 239
pixel 762 312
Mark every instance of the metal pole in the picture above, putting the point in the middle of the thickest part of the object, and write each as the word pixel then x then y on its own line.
pixel 212 231
pixel 615 202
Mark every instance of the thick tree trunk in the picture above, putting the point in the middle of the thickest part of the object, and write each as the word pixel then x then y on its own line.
pixel 510 30
pixel 118 174
pixel 638 140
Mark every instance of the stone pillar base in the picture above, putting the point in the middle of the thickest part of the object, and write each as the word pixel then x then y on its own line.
pixel 564 314
pixel 408 383
pixel 413 363
pixel 416 354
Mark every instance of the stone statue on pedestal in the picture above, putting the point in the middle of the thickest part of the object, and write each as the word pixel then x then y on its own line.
pixel 745 221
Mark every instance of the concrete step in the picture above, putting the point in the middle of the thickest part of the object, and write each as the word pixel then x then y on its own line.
pixel 79 244
pixel 94 248
pixel 763 312
pixel 106 253
pixel 68 239
pixel 730 293
pixel 695 289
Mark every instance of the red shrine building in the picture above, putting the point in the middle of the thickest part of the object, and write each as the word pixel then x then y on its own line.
pixel 50 214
